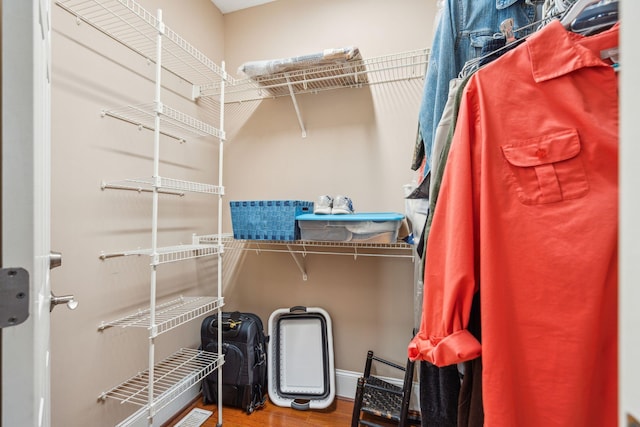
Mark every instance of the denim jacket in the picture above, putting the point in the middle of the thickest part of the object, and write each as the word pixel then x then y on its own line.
pixel 463 28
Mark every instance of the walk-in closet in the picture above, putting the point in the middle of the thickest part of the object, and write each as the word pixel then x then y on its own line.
pixel 131 127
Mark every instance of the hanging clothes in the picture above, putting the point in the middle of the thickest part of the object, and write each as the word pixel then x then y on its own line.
pixel 527 215
pixel 469 410
pixel 463 29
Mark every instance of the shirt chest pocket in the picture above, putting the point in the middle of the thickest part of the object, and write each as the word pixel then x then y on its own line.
pixel 546 169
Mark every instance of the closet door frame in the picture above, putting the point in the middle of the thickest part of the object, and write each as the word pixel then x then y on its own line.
pixel 629 92
pixel 26 176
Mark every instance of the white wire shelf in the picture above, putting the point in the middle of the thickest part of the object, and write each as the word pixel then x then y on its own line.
pixel 402 250
pixel 169 315
pixel 212 239
pixel 304 247
pixel 383 69
pixel 173 123
pixel 299 249
pixel 170 253
pixel 164 185
pixel 130 24
pixel 172 377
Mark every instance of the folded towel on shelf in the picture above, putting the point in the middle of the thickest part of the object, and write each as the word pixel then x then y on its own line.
pixel 339 56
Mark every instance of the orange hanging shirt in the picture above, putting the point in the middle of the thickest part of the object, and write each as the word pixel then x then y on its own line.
pixel 528 216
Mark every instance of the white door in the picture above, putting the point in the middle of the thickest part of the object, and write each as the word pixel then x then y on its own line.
pixel 25 206
pixel 629 214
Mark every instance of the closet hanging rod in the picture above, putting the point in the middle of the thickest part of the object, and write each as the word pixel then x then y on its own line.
pixel 574 11
pixel 473 65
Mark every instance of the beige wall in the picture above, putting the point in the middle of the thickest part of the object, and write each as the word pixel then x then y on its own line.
pixel 359 143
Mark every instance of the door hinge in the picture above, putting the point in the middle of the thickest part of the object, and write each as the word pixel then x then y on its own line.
pixel 14 296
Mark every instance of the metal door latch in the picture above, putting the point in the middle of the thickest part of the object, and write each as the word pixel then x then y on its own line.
pixel 55 261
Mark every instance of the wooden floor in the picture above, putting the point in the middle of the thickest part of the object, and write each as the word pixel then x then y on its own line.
pixel 336 415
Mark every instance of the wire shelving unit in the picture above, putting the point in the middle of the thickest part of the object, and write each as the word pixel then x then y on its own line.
pixel 129 24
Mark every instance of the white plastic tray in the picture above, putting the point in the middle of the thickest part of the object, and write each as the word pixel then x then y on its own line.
pixel 301 368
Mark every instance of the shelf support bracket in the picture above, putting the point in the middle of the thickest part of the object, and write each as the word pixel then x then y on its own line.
pixel 295 105
pixel 299 262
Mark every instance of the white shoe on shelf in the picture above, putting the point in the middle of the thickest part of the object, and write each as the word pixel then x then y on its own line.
pixel 342 205
pixel 323 206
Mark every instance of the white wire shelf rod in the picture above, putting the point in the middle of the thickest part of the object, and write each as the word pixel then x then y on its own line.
pixel 325 72
pixel 304 247
pixel 384 69
pixel 168 254
pixel 366 66
pixel 413 63
pixel 190 186
pixel 181 126
pixel 134 185
pixel 385 75
pixel 139 124
pixel 124 21
pixel 168 315
pixel 180 372
pixel 309 85
pixel 173 376
pixel 355 252
pixel 317 86
pixel 128 23
pixel 164 185
pixel 185 252
pixel 202 68
pixel 402 59
pixel 239 86
pixel 214 238
pixel 416 60
pixel 190 123
pixel 312 80
pixel 326 243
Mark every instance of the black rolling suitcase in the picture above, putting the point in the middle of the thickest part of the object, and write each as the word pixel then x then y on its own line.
pixel 244 373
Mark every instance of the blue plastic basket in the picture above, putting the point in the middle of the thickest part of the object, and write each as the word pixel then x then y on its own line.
pixel 267 219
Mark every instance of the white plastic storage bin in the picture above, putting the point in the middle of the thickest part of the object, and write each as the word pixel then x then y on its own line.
pixel 378 227
pixel 301 372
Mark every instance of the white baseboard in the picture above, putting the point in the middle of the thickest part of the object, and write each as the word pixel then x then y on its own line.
pixel 139 418
pixel 347 382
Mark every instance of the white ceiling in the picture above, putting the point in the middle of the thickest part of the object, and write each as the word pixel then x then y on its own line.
pixel 227 6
